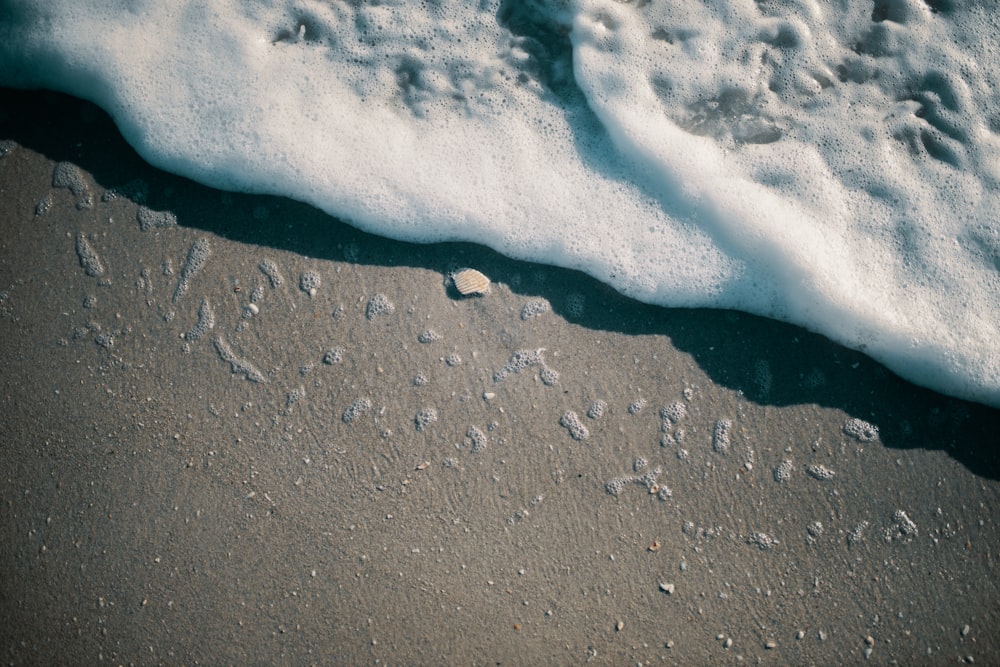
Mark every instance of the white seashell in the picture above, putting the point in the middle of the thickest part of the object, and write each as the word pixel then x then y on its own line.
pixel 470 281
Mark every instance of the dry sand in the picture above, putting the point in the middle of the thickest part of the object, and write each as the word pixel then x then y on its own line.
pixel 185 494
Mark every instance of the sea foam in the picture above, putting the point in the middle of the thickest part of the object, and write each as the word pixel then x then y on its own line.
pixel 831 164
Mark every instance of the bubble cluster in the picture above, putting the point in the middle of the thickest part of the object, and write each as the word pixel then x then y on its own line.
pixel 815 529
pixel 205 323
pixel 902 527
pixel 597 409
pixel 762 541
pixel 149 219
pixel 720 436
pixel 105 340
pixel 378 305
pixel 356 409
pixel 89 260
pixel 572 423
pixel 44 205
pixel 270 269
pixel 857 533
pixel 419 380
pixel 819 472
pixel 333 356
pixel 425 417
pixel 648 479
pixel 522 359
pixel 197 256
pixel 238 366
pixel 453 360
pixel 534 308
pixel 636 406
pixel 518 361
pixel 309 282
pixel 763 377
pixel 475 439
pixel 861 430
pixel 616 485
pixel 294 396
pixel 783 471
pixel 673 439
pixel 575 304
pixel 68 175
pixel 548 376
pixel 428 336
pixel 672 414
pixel 136 190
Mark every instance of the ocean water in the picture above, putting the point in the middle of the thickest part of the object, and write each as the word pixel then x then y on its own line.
pixel 832 164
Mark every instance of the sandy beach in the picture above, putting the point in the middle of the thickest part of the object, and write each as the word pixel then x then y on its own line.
pixel 238 431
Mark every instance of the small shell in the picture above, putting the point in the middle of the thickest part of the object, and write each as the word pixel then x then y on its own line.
pixel 470 281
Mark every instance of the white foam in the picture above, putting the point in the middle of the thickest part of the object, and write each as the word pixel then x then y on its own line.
pixel 835 168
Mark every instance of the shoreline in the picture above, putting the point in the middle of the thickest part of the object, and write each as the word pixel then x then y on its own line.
pixel 163 506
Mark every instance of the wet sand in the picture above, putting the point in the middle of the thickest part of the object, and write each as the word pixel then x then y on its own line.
pixel 286 478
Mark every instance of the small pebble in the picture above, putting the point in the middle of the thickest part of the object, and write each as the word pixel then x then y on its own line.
pixel 667 588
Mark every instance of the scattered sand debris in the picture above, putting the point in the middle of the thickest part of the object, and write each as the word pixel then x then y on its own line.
pixel 470 282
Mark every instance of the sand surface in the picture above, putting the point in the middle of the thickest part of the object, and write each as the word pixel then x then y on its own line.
pixel 207 464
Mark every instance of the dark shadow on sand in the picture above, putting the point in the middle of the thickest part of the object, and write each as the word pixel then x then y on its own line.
pixel 731 347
